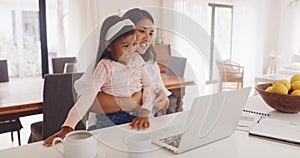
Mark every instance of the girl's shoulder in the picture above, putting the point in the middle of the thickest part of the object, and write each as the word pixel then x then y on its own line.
pixel 106 63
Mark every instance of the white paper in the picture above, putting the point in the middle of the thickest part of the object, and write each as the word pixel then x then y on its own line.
pixel 277 129
pixel 247 121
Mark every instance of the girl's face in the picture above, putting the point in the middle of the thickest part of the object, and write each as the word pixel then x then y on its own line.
pixel 144 33
pixel 122 48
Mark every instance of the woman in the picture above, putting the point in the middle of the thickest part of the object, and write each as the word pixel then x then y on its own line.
pixel 107 104
pixel 144 31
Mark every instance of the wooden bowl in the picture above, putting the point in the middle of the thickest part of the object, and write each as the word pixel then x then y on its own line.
pixel 280 102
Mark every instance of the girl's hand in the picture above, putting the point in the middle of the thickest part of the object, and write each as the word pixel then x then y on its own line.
pixel 161 101
pixel 62 133
pixel 141 121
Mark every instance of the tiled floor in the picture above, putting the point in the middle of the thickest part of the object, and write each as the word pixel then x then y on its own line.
pixel 5 139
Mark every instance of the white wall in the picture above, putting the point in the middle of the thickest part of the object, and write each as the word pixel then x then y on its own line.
pixel 255 34
pixel 259 29
pixel 86 18
pixel 110 7
pixel 289 32
pixel 270 13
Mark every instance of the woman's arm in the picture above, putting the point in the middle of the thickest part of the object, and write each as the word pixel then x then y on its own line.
pixel 105 103
pixel 161 102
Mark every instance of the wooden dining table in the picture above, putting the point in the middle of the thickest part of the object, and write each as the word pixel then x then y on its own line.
pixel 21 97
pixel 24 96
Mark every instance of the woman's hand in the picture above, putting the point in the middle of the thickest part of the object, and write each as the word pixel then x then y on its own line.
pixel 62 133
pixel 161 101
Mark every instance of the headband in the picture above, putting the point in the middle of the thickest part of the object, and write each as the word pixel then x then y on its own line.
pixel 112 31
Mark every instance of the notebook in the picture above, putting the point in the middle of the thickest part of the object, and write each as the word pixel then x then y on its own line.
pixel 277 129
pixel 249 119
pixel 211 118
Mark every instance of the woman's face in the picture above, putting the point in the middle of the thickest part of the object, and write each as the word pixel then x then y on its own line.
pixel 144 33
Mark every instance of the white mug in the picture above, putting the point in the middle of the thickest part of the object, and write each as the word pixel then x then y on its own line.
pixel 78 144
pixel 139 145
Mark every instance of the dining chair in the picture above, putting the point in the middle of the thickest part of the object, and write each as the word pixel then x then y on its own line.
pixel 58 98
pixel 8 125
pixel 163 52
pixel 70 68
pixel 3 71
pixel 11 126
pixel 230 72
pixel 175 67
pixel 58 64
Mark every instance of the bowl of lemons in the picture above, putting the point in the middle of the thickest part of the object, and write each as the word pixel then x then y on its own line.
pixel 282 95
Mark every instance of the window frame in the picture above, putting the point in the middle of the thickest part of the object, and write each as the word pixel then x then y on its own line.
pixel 212 32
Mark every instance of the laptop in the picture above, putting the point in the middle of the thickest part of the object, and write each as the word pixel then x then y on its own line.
pixel 211 118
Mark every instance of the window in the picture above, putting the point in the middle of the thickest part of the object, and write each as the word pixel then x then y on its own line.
pixel 57 18
pixel 20 37
pixel 20 41
pixel 220 22
pixel 30 48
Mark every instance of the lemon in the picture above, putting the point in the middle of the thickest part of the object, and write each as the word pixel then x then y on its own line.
pixel 295 77
pixel 296 93
pixel 279 88
pixel 269 89
pixel 284 82
pixel 296 85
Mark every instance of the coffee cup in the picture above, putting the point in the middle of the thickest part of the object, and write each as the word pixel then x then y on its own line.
pixel 139 145
pixel 78 144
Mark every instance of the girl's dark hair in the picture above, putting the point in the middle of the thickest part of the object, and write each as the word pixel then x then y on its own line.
pixel 136 15
pixel 107 24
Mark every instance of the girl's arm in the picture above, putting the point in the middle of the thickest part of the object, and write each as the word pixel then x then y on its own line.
pixel 81 84
pixel 83 103
pixel 62 133
pixel 106 103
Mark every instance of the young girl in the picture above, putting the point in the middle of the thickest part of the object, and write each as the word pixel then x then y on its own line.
pixel 120 72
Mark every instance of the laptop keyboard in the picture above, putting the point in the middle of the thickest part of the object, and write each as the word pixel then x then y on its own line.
pixel 173 140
